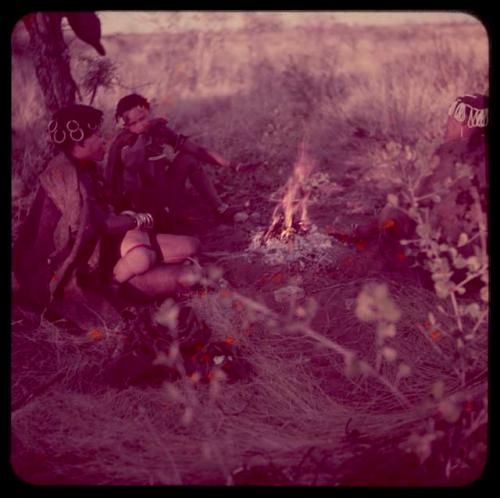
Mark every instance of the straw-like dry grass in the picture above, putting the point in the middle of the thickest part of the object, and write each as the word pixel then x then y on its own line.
pixel 297 398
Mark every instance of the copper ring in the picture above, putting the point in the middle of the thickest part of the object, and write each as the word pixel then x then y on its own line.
pixel 70 122
pixel 54 136
pixel 52 126
pixel 82 135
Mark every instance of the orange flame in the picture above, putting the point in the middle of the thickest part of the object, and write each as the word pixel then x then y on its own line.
pixel 294 205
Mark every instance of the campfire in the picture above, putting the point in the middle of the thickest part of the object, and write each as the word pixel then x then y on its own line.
pixel 290 215
pixel 291 235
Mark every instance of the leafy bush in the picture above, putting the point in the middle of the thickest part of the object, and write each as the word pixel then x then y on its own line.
pixel 459 323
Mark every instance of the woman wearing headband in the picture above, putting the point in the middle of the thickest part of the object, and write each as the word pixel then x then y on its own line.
pixel 465 143
pixel 72 234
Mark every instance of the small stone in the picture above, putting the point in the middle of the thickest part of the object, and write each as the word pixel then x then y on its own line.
pixel 255 217
pixel 287 293
pixel 241 217
pixel 218 359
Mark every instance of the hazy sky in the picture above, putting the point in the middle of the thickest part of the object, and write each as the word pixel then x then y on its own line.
pixel 145 22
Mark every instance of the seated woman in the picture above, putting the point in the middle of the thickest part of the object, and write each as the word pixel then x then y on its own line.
pixel 71 232
pixel 143 179
pixel 465 143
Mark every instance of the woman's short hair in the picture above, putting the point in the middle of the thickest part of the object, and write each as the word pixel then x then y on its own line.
pixel 72 124
pixel 129 102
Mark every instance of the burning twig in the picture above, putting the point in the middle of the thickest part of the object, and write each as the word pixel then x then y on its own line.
pixel 290 216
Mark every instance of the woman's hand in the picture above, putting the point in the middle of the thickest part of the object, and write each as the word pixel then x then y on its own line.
pixel 145 221
pixel 221 160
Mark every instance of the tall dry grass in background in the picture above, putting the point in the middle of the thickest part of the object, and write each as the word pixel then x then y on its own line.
pixel 251 95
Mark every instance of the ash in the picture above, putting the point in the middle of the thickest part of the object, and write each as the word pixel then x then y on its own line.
pixel 311 244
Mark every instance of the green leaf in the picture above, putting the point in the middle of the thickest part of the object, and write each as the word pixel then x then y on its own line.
pixel 366 311
pixel 390 354
pixel 463 239
pixel 485 294
pixel 449 410
pixel 311 306
pixel 473 263
pixel 380 292
pixel 215 273
pixel 459 262
pixel 424 230
pixel 442 289
pixel 463 170
pixel 392 200
pixel 167 314
pixel 373 303
pixel 413 212
pixel 391 312
pixel 473 310
pixel 441 276
pixel 386 330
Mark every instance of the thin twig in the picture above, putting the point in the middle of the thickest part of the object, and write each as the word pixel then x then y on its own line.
pixel 346 353
pixel 469 278
pixel 480 320
pixel 455 309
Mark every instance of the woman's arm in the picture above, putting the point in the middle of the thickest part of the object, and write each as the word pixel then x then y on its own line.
pixel 203 155
pixel 114 167
pixel 115 224
pixel 109 223
pixel 159 128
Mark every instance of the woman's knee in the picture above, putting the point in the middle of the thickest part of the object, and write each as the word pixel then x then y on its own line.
pixel 145 258
pixel 176 248
pixel 133 238
pixel 136 262
pixel 193 245
pixel 166 279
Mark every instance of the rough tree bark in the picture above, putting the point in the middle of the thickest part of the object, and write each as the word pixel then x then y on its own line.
pixel 51 59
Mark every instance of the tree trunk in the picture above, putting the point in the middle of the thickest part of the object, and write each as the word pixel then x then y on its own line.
pixel 51 59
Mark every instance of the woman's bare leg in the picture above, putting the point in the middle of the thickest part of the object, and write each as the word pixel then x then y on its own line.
pixel 134 261
pixel 166 279
pixel 176 248
pixel 185 166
